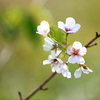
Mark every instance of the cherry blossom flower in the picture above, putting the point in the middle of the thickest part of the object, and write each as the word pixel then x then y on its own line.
pixel 54 61
pixel 49 44
pixel 57 65
pixel 65 72
pixel 43 28
pixel 69 26
pixel 84 69
pixel 76 51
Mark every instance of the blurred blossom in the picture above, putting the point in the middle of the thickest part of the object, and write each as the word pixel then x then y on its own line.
pixel 43 28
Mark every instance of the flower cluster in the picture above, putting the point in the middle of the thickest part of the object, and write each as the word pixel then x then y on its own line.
pixel 55 39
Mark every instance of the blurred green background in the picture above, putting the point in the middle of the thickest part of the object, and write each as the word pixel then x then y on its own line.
pixel 21 52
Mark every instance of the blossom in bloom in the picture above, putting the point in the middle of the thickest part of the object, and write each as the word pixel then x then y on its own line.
pixel 69 26
pixel 54 61
pixel 76 51
pixel 84 69
pixel 57 65
pixel 43 28
pixel 65 72
pixel 49 44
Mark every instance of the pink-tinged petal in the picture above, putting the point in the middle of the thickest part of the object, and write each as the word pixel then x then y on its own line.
pixel 76 28
pixel 73 59
pixel 76 59
pixel 77 45
pixel 81 60
pixel 82 51
pixel 70 22
pixel 61 25
pixel 46 62
pixel 78 73
pixel 69 50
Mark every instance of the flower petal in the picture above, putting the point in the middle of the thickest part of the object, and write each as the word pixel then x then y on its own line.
pixel 76 59
pixel 69 50
pixel 46 62
pixel 70 22
pixel 82 51
pixel 61 25
pixel 76 28
pixel 77 45
pixel 43 28
pixel 78 73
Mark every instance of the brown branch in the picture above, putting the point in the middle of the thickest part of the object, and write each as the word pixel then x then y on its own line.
pixel 96 37
pixel 41 86
pixel 20 95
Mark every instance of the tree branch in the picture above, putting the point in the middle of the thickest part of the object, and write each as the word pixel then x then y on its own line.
pixel 41 86
pixel 96 37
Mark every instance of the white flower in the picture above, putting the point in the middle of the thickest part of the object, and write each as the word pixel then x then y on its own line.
pixel 54 61
pixel 84 69
pixel 65 71
pixel 76 51
pixel 43 28
pixel 69 26
pixel 49 44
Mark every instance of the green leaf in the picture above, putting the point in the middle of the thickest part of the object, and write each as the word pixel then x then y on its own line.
pixel 57 34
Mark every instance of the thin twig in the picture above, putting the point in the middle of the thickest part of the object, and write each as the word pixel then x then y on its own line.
pixel 20 95
pixel 96 36
pixel 41 86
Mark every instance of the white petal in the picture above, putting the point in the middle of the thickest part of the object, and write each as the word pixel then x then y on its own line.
pixel 77 45
pixel 78 73
pixel 81 60
pixel 67 74
pixel 82 51
pixel 47 48
pixel 53 53
pixel 76 28
pixel 69 50
pixel 48 41
pixel 58 52
pixel 44 25
pixel 61 25
pixel 43 28
pixel 70 23
pixel 39 29
pixel 90 70
pixel 86 71
pixel 59 60
pixel 46 62
pixel 76 59
pixel 65 71
pixel 53 69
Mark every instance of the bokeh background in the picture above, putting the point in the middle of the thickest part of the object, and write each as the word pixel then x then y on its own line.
pixel 21 52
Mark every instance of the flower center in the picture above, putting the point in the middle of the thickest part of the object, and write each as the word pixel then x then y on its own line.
pixel 66 29
pixel 54 60
pixel 45 31
pixel 76 51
